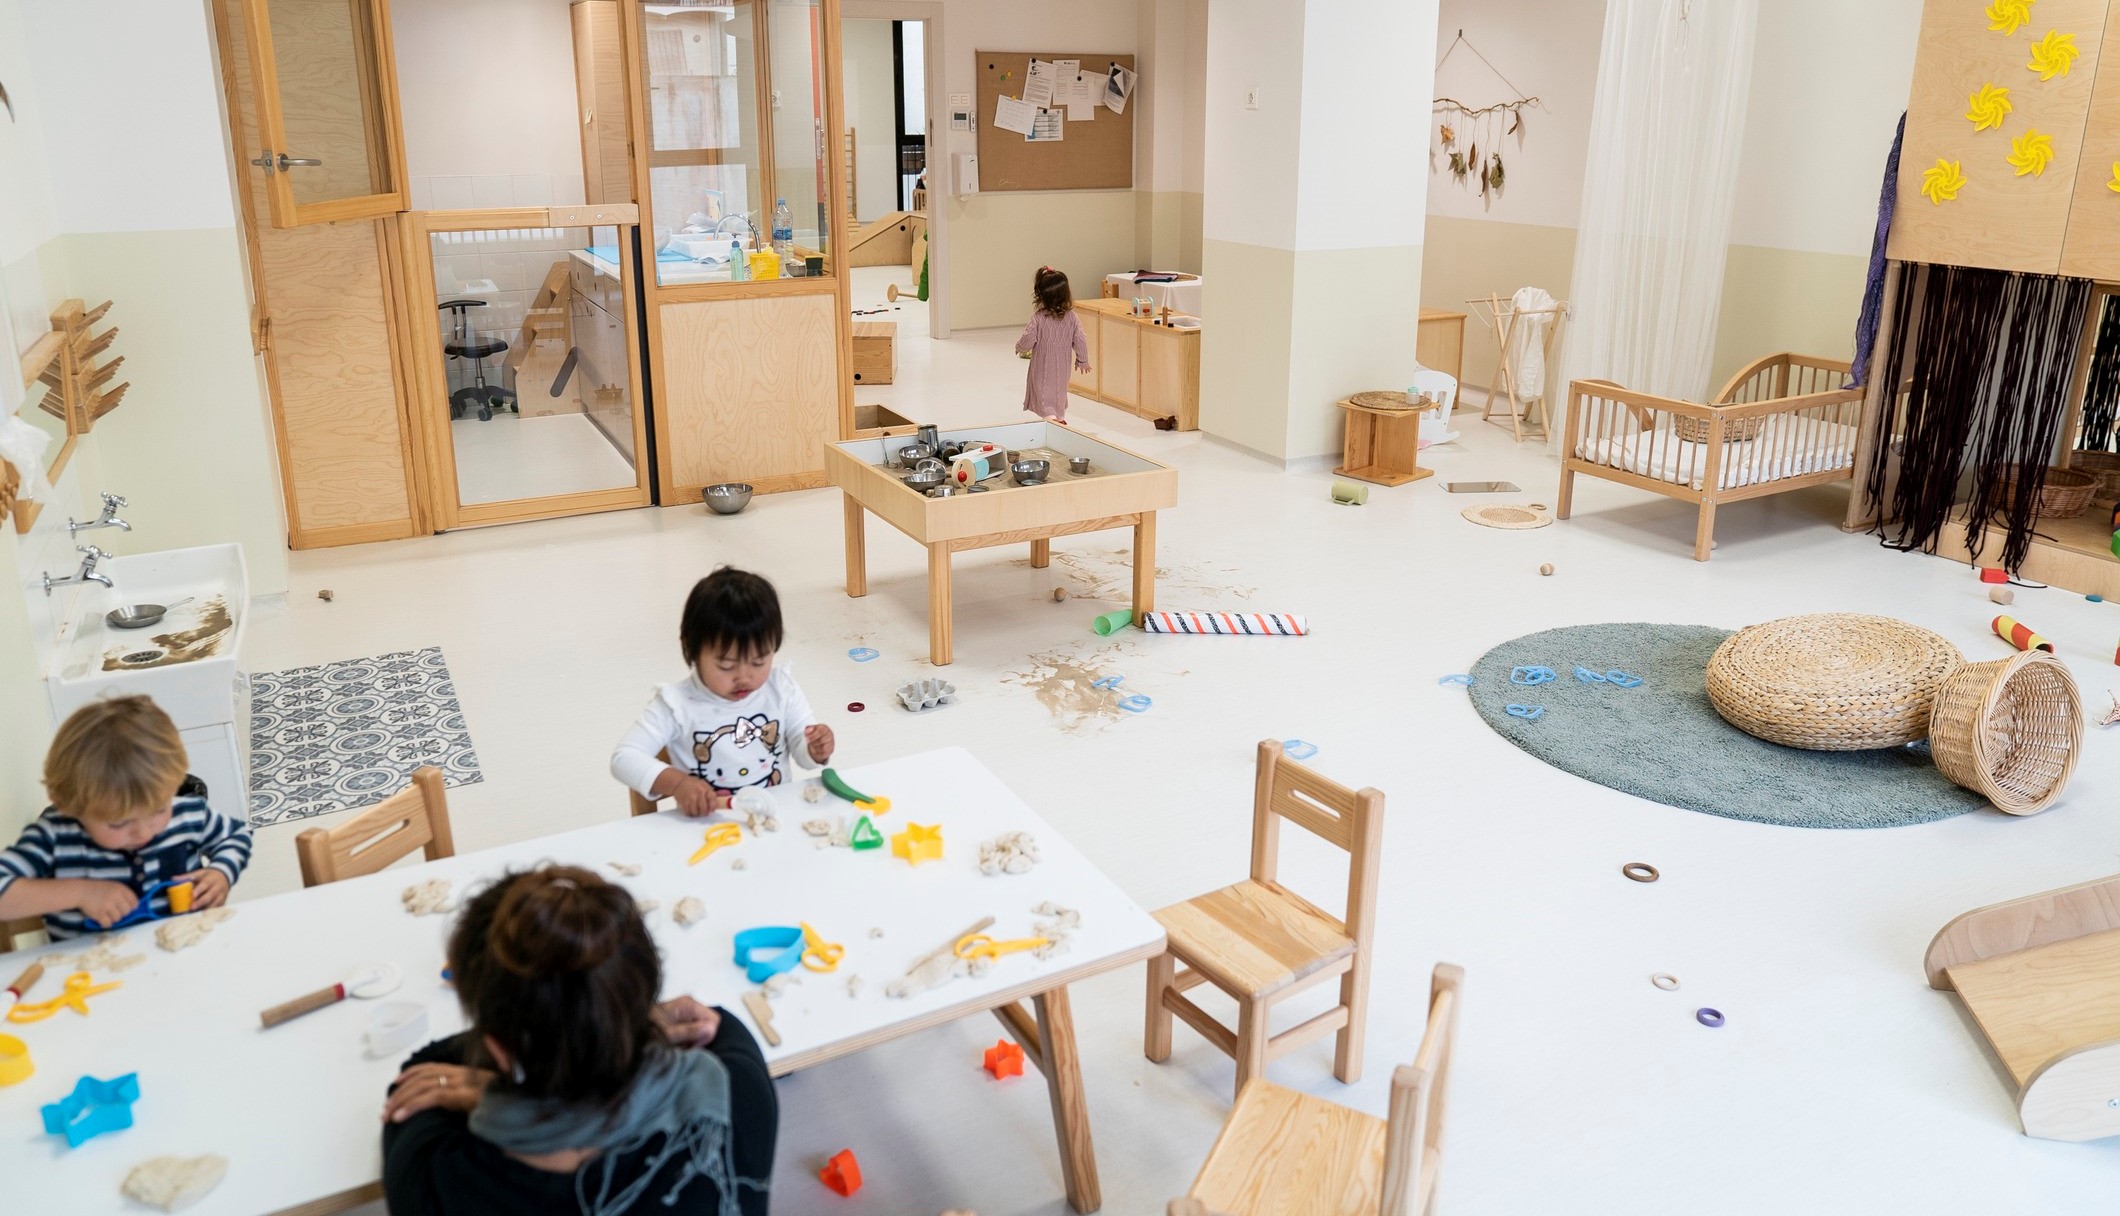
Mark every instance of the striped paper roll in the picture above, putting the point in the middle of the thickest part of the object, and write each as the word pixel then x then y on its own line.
pixel 2020 635
pixel 1233 624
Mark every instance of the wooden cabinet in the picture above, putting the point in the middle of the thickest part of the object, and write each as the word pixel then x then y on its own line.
pixel 1170 377
pixel 1983 209
pixel 1146 369
pixel 1081 382
pixel 600 89
pixel 1119 376
pixel 750 392
pixel 1439 341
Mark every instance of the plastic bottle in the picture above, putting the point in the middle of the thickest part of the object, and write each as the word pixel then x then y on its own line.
pixel 783 231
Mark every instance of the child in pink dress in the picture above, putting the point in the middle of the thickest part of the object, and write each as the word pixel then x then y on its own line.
pixel 1054 333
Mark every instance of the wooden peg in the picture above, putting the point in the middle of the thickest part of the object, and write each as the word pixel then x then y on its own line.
pixel 92 347
pixel 95 314
pixel 107 402
pixel 96 378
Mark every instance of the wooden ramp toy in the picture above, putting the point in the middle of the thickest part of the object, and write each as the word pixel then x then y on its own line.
pixel 2041 977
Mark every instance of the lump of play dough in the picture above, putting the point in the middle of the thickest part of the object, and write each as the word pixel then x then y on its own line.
pixel 628 869
pixel 105 955
pixel 1066 917
pixel 174 1183
pixel 817 827
pixel 427 898
pixel 757 811
pixel 649 905
pixel 936 969
pixel 184 932
pixel 812 791
pixel 1008 853
pixel 739 864
pixel 689 911
pixel 853 986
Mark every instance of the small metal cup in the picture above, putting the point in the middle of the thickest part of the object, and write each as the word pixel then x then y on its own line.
pixel 1078 465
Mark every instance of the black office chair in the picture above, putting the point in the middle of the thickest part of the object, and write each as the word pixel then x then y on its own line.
pixel 463 344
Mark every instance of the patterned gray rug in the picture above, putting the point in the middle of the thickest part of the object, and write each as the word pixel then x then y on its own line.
pixel 1662 740
pixel 349 734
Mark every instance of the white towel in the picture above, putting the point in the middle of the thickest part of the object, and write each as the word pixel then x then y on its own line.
pixel 1527 341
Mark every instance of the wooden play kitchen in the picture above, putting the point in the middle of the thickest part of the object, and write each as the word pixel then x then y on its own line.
pixel 1145 367
pixel 1119 490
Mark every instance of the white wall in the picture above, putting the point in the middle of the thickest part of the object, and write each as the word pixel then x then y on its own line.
pixel 1356 190
pixel 872 114
pixel 1250 166
pixel 486 91
pixel 1548 48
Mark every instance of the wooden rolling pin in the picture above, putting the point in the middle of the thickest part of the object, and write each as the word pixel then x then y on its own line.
pixel 310 1002
pixel 26 981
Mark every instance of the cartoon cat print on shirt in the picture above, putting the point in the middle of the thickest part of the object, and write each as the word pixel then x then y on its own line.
pixel 743 753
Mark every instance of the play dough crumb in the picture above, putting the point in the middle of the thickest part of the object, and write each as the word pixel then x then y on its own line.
pixel 1008 853
pixel 427 898
pixel 854 986
pixel 649 905
pixel 690 910
pixel 174 1183
pixel 629 869
pixel 739 864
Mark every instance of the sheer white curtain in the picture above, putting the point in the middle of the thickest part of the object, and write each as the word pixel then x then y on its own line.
pixel 1665 134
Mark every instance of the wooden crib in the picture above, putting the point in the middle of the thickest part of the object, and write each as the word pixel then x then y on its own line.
pixel 1781 424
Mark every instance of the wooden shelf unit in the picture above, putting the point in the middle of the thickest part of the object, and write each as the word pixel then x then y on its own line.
pixel 2072 554
pixel 1149 370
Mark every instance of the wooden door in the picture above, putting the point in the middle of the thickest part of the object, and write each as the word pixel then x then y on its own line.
pixel 325 99
pixel 600 87
pixel 325 303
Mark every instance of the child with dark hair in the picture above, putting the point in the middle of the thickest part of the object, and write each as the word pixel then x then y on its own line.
pixel 735 717
pixel 1053 334
pixel 573 1090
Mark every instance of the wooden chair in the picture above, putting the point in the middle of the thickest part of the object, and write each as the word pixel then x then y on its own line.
pixel 646 806
pixel 1289 1154
pixel 416 817
pixel 1260 942
pixel 12 929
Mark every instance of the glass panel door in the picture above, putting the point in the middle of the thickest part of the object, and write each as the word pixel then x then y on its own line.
pixel 327 109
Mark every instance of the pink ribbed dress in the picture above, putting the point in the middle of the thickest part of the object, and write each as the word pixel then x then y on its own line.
pixel 1054 344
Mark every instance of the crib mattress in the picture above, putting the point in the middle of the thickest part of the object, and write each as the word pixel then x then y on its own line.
pixel 1787 446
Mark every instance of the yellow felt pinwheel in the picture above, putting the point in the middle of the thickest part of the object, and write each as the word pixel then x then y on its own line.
pixel 1942 182
pixel 2006 15
pixel 1988 107
pixel 2053 55
pixel 2030 152
pixel 2114 185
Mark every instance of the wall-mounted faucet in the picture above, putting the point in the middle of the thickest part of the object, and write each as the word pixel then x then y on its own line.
pixel 109 518
pixel 90 555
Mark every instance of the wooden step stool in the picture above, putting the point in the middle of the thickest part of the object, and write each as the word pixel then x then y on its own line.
pixel 875 351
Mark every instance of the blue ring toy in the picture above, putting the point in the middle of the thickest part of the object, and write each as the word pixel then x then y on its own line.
pixel 1531 677
pixel 1458 678
pixel 1622 679
pixel 1529 713
pixel 788 941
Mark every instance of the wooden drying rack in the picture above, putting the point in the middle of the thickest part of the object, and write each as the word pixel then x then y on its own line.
pixel 64 362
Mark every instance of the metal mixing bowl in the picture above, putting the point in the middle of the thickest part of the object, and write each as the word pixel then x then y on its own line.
pixel 910 456
pixel 926 479
pixel 135 616
pixel 1030 472
pixel 728 498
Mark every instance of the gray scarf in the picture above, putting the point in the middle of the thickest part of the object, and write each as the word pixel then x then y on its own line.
pixel 684 1095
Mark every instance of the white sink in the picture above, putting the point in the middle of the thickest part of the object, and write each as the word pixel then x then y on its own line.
pixel 187 662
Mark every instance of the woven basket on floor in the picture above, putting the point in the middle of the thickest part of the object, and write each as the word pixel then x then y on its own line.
pixel 1735 430
pixel 2105 466
pixel 1830 682
pixel 2066 494
pixel 2009 730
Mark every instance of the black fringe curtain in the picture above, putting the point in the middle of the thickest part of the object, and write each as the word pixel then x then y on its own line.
pixel 1985 357
pixel 2101 397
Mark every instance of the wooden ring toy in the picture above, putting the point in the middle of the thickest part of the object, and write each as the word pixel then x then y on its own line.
pixel 1640 871
pixel 1665 980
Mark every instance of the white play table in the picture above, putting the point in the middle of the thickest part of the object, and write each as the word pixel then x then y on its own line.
pixel 294 1109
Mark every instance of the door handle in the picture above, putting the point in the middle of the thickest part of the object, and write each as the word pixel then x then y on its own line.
pixel 282 162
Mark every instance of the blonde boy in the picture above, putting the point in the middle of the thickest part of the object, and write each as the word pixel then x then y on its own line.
pixel 124 816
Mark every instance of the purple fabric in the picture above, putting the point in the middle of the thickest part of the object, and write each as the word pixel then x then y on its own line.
pixel 1056 344
pixel 1873 288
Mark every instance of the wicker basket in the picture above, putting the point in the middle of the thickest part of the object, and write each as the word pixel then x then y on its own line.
pixel 2009 730
pixel 1832 682
pixel 2105 466
pixel 2066 494
pixel 1735 430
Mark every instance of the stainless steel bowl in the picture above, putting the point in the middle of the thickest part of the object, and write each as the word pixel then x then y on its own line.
pixel 1030 472
pixel 135 616
pixel 728 498
pixel 926 479
pixel 912 454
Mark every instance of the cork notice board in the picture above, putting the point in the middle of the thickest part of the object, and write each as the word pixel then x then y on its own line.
pixel 1094 155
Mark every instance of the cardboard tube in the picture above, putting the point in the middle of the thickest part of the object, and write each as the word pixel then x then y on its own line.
pixel 2019 634
pixel 1112 622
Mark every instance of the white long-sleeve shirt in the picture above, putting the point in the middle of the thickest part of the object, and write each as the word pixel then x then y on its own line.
pixel 728 744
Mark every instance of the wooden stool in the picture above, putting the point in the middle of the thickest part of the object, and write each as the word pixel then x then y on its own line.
pixel 1383 446
pixel 875 351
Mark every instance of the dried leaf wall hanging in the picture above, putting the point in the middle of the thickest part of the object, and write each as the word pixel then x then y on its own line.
pixel 1494 175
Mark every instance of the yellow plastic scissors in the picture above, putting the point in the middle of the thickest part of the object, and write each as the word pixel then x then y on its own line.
pixel 980 945
pixel 720 836
pixel 819 954
pixel 79 987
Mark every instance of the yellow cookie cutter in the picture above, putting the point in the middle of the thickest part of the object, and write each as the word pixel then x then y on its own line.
pixel 817 953
pixel 720 836
pixel 979 945
pixel 15 1064
pixel 79 987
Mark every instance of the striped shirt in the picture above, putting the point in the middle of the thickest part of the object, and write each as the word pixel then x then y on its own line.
pixel 55 845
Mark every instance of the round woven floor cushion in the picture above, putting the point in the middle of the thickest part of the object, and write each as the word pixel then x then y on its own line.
pixel 1833 682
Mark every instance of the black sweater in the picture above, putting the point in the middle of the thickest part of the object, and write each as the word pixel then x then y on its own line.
pixel 434 1166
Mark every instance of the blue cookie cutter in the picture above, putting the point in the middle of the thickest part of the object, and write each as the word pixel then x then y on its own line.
pixel 144 910
pixel 862 654
pixel 1135 704
pixel 1622 679
pixel 1588 676
pixel 785 939
pixel 1458 678
pixel 1531 676
pixel 1529 713
pixel 1108 682
pixel 93 1108
pixel 1298 749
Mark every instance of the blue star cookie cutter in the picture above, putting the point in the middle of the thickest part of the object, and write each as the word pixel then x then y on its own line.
pixel 93 1108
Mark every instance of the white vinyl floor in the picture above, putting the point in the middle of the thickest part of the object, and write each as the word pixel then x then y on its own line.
pixel 508 457
pixel 1841 1084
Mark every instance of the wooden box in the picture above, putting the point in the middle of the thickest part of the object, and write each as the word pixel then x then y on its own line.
pixel 875 421
pixel 875 351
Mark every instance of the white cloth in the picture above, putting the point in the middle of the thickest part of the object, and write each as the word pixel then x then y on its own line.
pixel 731 745
pixel 1653 236
pixel 1527 341
pixel 1786 446
pixel 1181 296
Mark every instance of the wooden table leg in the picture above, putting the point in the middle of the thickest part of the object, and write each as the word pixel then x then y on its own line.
pixel 1041 553
pixel 857 547
pixel 1144 566
pixel 939 623
pixel 1063 1082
